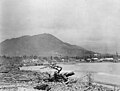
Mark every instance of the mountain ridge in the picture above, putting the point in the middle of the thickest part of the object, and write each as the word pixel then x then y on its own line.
pixel 40 45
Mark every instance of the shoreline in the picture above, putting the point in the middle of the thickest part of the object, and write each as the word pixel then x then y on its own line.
pixel 102 71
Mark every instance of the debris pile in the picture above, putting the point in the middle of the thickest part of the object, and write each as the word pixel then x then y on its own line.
pixel 50 82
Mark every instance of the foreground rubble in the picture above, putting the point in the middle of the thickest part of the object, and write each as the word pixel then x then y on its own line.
pixel 19 80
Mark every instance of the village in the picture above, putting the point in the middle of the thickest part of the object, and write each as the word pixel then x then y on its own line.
pixel 35 60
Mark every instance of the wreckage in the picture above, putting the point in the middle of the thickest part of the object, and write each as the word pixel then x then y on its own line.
pixel 57 76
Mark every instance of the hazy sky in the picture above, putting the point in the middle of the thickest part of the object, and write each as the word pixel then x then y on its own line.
pixel 89 23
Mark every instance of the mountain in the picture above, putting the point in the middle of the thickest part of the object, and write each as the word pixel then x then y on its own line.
pixel 40 45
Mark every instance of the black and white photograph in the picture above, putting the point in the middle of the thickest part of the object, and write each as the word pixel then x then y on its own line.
pixel 59 45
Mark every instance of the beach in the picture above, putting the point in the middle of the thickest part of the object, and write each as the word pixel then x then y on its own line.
pixel 103 72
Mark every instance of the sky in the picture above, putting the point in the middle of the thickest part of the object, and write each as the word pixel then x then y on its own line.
pixel 92 24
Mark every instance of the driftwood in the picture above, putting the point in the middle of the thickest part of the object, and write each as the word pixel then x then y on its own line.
pixel 43 87
pixel 57 76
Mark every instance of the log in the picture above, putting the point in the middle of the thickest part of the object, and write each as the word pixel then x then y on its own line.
pixel 69 74
pixel 42 87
